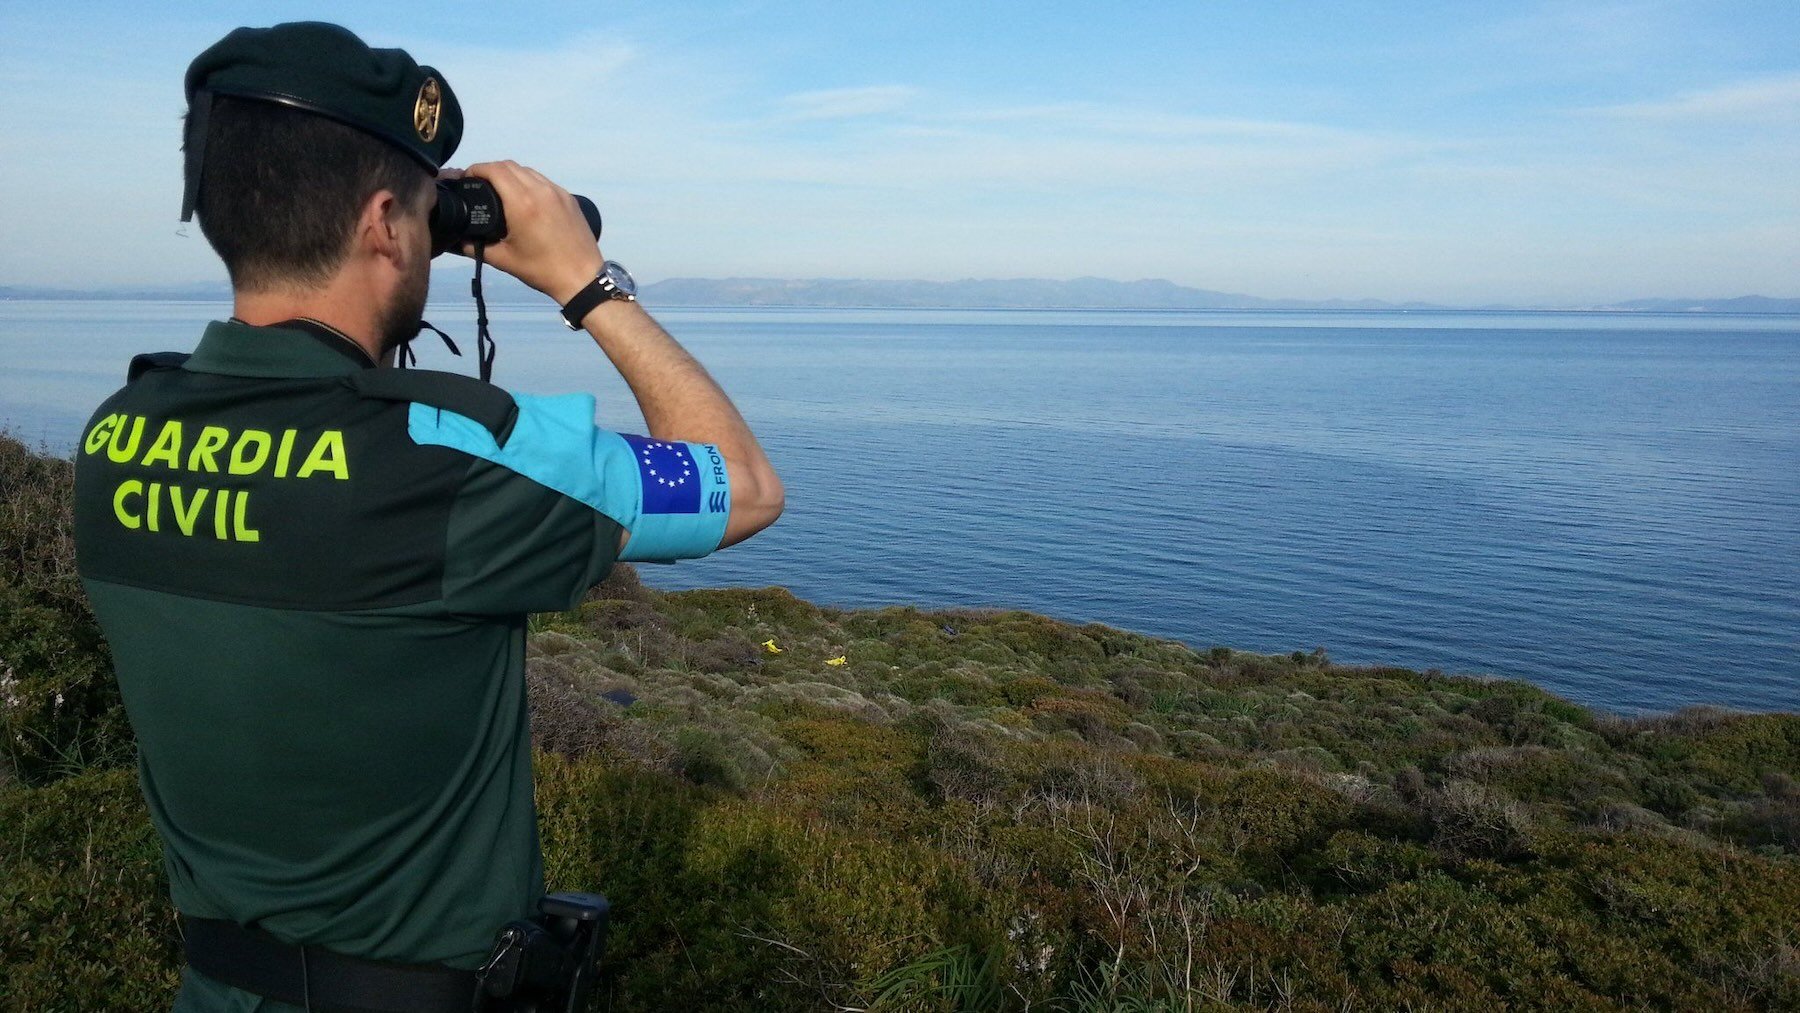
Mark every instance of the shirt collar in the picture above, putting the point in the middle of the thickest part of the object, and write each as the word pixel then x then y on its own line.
pixel 291 348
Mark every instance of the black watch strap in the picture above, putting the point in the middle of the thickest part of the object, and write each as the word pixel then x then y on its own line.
pixel 583 302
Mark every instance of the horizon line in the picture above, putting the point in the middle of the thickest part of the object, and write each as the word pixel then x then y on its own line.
pixel 195 291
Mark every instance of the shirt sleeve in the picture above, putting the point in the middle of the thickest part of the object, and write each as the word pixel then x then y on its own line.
pixel 672 498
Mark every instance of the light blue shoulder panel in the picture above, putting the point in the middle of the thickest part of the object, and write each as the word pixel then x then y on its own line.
pixel 672 497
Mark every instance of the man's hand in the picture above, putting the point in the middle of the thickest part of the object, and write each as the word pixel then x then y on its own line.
pixel 548 244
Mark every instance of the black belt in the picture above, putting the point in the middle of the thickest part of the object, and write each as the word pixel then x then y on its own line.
pixel 321 980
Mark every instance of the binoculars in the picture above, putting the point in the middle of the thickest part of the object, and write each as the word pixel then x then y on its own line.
pixel 468 211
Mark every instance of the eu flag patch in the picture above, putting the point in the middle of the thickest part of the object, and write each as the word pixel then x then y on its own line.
pixel 670 478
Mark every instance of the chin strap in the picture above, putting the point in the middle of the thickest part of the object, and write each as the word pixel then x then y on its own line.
pixel 408 357
pixel 484 342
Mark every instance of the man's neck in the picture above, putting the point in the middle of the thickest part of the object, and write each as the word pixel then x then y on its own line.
pixel 355 319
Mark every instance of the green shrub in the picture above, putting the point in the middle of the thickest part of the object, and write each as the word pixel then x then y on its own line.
pixel 60 709
pixel 1473 819
pixel 37 531
pixel 85 922
pixel 951 980
pixel 1043 639
pixel 1539 774
pixel 1027 690
pixel 963 763
pixel 705 758
pixel 1091 714
pixel 1363 861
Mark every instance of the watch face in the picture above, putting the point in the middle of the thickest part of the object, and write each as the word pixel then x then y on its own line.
pixel 621 278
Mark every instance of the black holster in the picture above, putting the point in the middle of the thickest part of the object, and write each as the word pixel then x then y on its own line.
pixel 546 964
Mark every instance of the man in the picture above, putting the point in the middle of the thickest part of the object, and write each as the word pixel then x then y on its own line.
pixel 314 571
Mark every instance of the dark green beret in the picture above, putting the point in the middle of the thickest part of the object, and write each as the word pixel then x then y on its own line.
pixel 327 70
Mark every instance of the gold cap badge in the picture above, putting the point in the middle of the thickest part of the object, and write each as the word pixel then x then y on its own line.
pixel 427 109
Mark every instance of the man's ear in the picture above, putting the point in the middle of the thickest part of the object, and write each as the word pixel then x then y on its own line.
pixel 379 229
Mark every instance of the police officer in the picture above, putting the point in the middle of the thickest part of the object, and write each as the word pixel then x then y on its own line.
pixel 314 571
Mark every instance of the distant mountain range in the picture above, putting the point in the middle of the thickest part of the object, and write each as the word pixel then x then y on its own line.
pixel 1741 304
pixel 979 293
pixel 972 293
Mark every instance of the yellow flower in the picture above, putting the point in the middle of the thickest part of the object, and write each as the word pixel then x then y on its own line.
pixel 770 644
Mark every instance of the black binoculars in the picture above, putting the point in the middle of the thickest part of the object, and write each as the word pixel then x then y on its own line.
pixel 468 211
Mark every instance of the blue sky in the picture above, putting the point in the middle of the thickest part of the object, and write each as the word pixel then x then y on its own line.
pixel 1456 152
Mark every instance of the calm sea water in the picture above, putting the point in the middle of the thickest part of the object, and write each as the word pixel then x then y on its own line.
pixel 1606 505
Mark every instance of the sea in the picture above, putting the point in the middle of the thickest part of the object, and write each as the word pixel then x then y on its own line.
pixel 1604 504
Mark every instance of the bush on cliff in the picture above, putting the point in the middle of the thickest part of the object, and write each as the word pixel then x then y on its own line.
pixel 59 705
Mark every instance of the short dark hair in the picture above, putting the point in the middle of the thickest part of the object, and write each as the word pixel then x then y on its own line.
pixel 281 190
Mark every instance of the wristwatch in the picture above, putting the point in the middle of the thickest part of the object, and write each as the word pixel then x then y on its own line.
pixel 613 282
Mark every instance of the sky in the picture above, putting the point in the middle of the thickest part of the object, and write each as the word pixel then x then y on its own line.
pixel 1465 153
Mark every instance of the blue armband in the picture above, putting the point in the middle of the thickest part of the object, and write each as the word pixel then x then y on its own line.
pixel 684 497
pixel 673 497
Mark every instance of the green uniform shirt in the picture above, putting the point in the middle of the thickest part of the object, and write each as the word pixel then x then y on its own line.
pixel 314 576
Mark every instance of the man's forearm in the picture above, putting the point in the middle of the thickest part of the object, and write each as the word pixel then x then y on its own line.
pixel 681 401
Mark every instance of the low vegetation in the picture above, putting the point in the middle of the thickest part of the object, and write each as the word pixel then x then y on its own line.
pixel 795 807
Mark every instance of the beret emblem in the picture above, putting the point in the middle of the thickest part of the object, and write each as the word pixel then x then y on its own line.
pixel 427 109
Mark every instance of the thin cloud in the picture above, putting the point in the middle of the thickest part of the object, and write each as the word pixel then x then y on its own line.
pixel 1589 31
pixel 846 103
pixel 954 141
pixel 693 129
pixel 1772 98
pixel 1148 122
